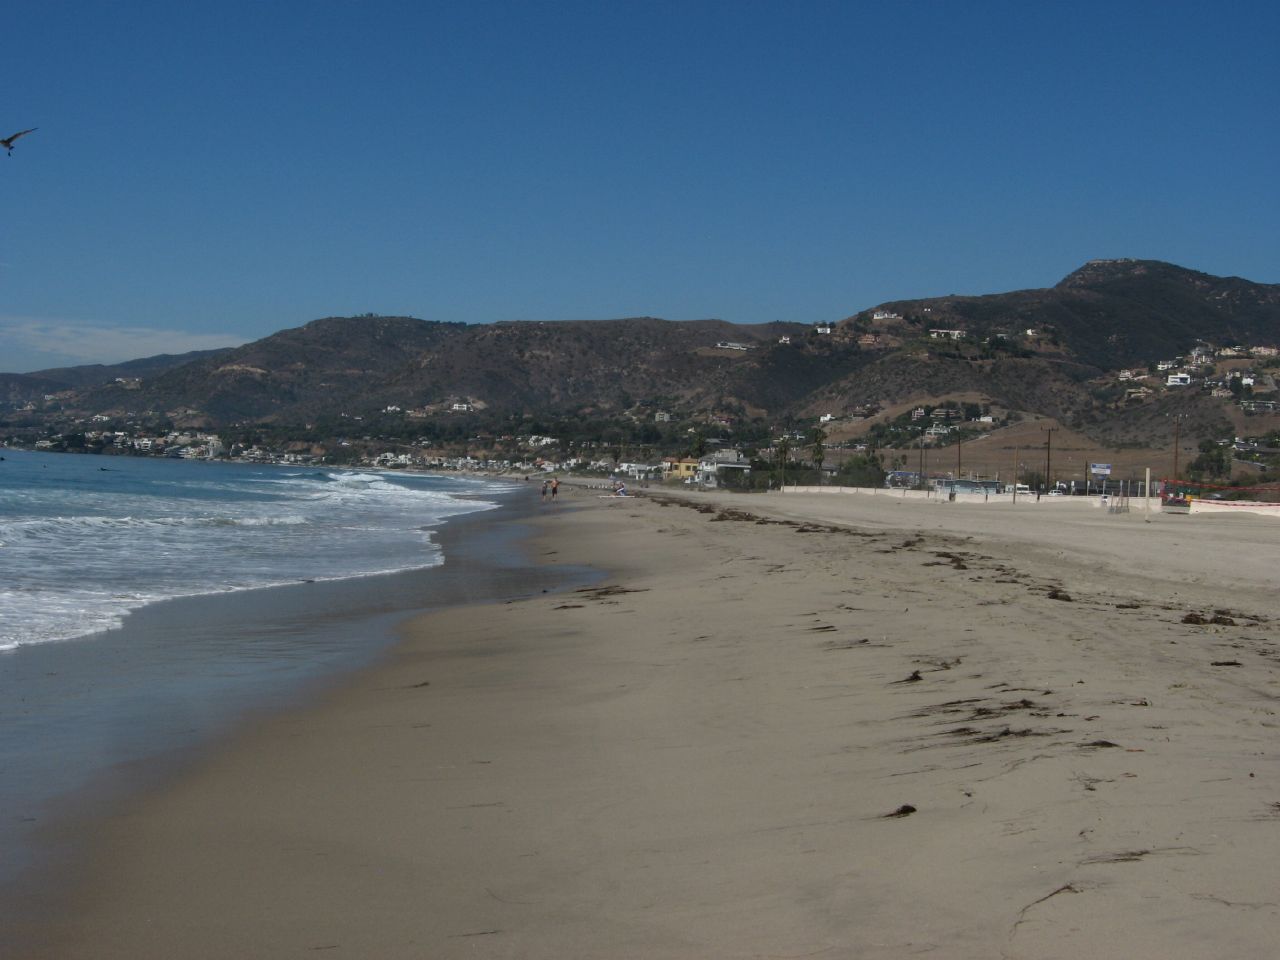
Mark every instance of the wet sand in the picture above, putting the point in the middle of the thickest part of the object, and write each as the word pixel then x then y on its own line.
pixel 780 726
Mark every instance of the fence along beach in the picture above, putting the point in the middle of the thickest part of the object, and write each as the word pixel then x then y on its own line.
pixel 781 725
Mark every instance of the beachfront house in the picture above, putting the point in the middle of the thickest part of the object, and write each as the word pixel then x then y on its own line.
pixel 683 468
pixel 639 471
pixel 713 466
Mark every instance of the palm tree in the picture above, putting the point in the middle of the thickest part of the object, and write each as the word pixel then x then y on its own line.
pixel 818 437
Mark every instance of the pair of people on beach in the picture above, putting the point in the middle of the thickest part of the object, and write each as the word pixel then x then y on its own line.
pixel 552 486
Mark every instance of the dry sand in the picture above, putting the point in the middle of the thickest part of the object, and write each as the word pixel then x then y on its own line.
pixel 871 728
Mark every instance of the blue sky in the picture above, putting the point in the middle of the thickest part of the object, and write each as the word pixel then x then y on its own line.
pixel 208 173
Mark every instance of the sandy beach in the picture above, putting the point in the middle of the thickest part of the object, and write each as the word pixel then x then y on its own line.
pixel 780 726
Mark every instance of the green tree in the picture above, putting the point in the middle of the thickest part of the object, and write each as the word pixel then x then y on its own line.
pixel 863 470
pixel 1214 461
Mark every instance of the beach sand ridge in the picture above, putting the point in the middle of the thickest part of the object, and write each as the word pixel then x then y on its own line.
pixel 779 727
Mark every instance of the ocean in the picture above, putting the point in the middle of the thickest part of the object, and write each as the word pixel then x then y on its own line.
pixel 85 540
pixel 147 605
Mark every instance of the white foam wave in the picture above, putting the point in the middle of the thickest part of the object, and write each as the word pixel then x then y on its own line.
pixel 74 557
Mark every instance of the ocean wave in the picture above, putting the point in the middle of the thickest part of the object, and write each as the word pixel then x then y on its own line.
pixel 41 616
pixel 76 561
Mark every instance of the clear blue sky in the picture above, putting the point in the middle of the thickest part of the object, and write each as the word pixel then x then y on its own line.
pixel 209 173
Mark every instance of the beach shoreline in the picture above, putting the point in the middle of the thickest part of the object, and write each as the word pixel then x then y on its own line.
pixel 779 726
pixel 118 714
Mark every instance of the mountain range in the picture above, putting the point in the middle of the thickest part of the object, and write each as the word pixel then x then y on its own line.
pixel 1049 351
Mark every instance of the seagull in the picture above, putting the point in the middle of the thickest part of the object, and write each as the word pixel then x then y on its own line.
pixel 7 142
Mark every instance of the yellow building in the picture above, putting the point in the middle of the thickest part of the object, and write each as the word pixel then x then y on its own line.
pixel 683 469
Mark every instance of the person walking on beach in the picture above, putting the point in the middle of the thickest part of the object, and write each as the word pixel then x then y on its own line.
pixel 555 488
pixel 545 484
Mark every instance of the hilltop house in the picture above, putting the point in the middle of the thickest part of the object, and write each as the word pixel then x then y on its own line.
pixel 946 334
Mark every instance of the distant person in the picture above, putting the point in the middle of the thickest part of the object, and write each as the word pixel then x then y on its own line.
pixel 555 488
pixel 546 484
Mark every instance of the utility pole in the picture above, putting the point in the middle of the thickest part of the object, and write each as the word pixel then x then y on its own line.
pixel 1015 474
pixel 1048 456
pixel 1177 435
pixel 920 478
pixel 959 444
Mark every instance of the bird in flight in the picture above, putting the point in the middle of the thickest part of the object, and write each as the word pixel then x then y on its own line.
pixel 7 142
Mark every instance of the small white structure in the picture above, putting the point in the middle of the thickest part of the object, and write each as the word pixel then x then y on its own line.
pixel 1178 380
